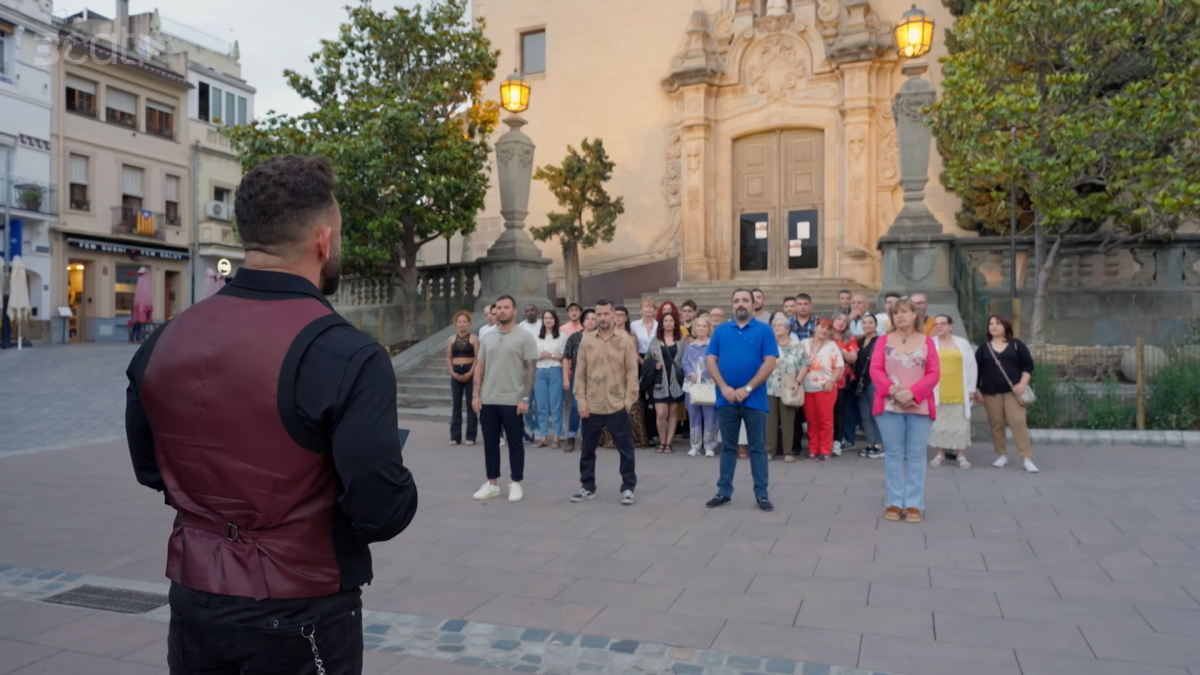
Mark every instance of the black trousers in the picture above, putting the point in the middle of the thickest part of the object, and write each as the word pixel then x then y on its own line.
pixel 225 635
pixel 798 433
pixel 460 394
pixel 498 419
pixel 618 425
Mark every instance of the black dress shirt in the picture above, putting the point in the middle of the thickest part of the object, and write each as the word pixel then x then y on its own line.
pixel 346 397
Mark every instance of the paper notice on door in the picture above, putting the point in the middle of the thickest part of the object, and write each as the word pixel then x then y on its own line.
pixel 803 230
pixel 760 230
pixel 795 248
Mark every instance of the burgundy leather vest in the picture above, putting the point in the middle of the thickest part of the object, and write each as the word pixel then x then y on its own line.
pixel 255 509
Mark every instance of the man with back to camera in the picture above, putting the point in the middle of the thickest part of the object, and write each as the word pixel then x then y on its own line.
pixel 270 423
pixel 741 355
pixel 504 375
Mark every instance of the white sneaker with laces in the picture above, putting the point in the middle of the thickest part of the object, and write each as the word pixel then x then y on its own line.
pixel 627 497
pixel 583 495
pixel 709 453
pixel 515 493
pixel 1030 466
pixel 488 491
pixel 1001 462
pixel 692 452
pixel 837 448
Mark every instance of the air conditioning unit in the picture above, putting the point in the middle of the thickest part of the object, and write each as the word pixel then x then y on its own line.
pixel 218 210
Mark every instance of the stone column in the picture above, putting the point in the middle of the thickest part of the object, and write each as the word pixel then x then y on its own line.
pixel 917 256
pixel 700 252
pixel 852 259
pixel 514 264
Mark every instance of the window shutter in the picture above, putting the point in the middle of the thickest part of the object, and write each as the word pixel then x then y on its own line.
pixel 132 181
pixel 81 84
pixel 121 100
pixel 161 107
pixel 172 188
pixel 230 109
pixel 79 169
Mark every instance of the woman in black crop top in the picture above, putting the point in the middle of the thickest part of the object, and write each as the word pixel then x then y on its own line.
pixel 461 349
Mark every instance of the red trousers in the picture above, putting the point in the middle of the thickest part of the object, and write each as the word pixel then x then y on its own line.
pixel 818 412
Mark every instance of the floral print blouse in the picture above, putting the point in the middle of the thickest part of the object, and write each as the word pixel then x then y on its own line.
pixel 822 365
pixel 791 360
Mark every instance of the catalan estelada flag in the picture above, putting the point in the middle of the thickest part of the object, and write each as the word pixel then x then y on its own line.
pixel 145 223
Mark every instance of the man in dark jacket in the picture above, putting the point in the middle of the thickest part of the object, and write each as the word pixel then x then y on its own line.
pixel 270 424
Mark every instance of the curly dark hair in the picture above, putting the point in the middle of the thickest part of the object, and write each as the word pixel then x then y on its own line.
pixel 277 200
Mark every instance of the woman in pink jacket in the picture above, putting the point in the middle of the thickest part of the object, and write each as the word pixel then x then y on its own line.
pixel 904 370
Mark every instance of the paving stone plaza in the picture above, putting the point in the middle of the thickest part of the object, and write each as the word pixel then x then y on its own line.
pixel 1090 567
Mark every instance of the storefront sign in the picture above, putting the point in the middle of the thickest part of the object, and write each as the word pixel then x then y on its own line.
pixel 129 249
pixel 760 230
pixel 224 267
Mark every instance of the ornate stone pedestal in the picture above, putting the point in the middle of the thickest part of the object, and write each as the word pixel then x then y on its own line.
pixel 514 264
pixel 917 256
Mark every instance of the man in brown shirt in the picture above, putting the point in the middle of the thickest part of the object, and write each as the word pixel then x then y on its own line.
pixel 606 389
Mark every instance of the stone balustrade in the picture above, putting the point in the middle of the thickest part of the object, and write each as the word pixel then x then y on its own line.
pixel 375 304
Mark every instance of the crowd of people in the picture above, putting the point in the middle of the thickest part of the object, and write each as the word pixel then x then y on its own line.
pixel 761 385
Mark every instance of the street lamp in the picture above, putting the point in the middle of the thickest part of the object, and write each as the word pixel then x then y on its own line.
pixel 914 34
pixel 514 93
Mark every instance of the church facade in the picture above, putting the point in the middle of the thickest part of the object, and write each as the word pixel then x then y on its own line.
pixel 754 139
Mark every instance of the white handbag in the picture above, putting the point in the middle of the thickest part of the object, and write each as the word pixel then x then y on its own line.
pixel 703 393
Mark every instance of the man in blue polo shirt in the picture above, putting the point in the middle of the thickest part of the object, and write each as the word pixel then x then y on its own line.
pixel 741 355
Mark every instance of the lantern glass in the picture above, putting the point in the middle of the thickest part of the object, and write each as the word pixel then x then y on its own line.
pixel 914 35
pixel 514 93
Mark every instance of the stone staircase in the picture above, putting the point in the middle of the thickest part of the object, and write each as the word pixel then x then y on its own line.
pixel 709 294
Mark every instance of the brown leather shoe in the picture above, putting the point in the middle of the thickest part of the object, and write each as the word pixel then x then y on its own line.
pixel 912 515
pixel 892 513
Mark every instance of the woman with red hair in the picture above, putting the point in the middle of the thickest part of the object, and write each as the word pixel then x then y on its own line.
pixel 667 354
pixel 820 388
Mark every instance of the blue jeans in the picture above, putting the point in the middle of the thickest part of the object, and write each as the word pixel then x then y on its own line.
pixel 548 394
pixel 870 428
pixel 906 439
pixel 730 419
pixel 573 418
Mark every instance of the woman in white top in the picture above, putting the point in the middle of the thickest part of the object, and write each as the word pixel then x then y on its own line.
pixel 952 396
pixel 548 393
pixel 646 329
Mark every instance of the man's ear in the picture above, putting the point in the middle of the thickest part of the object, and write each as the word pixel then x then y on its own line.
pixel 324 242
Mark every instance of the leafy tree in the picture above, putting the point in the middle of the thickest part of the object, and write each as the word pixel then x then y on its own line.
pixel 400 112
pixel 578 185
pixel 1106 94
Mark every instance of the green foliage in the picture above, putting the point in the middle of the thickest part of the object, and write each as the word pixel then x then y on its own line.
pixel 1048 411
pixel 1173 402
pixel 960 7
pixel 1107 94
pixel 578 185
pixel 1106 411
pixel 401 113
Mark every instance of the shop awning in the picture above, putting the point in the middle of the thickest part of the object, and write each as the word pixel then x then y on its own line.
pixel 127 248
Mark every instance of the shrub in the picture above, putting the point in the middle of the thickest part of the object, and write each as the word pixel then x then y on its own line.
pixel 1173 402
pixel 1106 411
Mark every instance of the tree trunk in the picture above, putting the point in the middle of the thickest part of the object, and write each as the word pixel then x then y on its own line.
pixel 1044 264
pixel 571 267
pixel 405 269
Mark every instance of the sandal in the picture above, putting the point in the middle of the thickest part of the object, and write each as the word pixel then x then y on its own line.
pixel 937 461
pixel 962 462
pixel 667 450
pixel 555 445
pixel 660 449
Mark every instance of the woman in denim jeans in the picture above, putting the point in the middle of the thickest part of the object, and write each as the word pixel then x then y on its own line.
pixel 570 360
pixel 548 391
pixel 865 389
pixel 905 370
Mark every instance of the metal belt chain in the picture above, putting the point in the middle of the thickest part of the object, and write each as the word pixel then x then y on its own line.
pixel 311 636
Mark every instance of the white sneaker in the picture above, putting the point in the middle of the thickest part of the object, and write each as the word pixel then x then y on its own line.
pixel 627 497
pixel 837 448
pixel 692 452
pixel 1030 466
pixel 515 493
pixel 1001 462
pixel 488 491
pixel 709 453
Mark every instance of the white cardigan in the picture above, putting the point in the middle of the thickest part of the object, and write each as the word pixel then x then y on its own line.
pixel 970 374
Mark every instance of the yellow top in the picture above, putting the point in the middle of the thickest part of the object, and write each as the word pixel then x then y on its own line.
pixel 950 386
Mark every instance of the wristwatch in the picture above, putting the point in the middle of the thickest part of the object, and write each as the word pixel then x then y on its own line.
pixel 525 400
pixel 749 389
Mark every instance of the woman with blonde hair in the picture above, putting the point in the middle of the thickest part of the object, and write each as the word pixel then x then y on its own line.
pixel 905 369
pixel 960 374
pixel 704 432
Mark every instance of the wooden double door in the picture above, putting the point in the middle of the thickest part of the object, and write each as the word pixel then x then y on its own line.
pixel 779 181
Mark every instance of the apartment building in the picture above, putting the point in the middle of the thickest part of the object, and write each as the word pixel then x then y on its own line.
pixel 122 146
pixel 29 196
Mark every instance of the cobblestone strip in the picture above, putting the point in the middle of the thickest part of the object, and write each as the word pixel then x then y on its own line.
pixel 522 650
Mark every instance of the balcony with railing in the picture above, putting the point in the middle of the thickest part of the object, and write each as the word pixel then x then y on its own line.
pixel 29 195
pixel 139 222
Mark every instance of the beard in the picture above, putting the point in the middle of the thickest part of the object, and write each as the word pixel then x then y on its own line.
pixel 331 274
pixel 741 314
pixel 605 325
